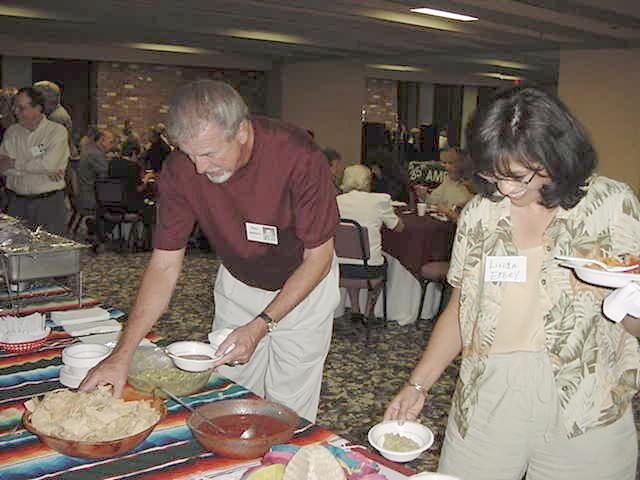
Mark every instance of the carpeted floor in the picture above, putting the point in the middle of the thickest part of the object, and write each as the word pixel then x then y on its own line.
pixel 361 374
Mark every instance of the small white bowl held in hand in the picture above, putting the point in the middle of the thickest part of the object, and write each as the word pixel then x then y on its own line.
pixel 420 434
pixel 192 356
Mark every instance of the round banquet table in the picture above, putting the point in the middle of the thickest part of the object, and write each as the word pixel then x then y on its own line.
pixel 424 239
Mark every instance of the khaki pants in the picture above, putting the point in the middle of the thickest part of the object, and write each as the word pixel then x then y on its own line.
pixel 287 364
pixel 516 429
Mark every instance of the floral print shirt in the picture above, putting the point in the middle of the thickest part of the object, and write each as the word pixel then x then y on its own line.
pixel 596 363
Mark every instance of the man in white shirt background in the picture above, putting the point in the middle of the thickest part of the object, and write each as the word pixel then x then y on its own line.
pixel 33 153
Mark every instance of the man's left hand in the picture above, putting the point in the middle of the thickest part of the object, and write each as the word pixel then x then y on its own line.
pixel 245 339
pixel 6 163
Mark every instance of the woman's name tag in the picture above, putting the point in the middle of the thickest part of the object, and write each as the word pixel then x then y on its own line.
pixel 505 269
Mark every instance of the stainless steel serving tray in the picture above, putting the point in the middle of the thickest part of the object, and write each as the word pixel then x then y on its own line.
pixel 43 264
pixel 29 255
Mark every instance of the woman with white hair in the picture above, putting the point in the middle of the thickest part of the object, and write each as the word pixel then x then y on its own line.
pixel 371 210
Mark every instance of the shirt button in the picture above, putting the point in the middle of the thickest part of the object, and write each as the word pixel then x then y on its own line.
pixel 548 248
pixel 543 281
pixel 565 388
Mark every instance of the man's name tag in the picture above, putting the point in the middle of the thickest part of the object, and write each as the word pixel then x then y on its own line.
pixel 262 233
pixel 38 150
pixel 505 269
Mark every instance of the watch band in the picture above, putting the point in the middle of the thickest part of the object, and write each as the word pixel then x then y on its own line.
pixel 271 323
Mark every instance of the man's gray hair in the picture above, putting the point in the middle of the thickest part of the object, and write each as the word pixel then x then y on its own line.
pixel 198 104
pixel 51 93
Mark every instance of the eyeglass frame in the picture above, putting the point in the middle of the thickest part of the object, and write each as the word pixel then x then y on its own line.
pixel 523 184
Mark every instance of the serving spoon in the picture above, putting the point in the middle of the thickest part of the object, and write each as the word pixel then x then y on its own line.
pixel 249 432
pixel 604 266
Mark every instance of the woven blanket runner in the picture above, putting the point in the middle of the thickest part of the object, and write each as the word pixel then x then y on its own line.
pixel 170 452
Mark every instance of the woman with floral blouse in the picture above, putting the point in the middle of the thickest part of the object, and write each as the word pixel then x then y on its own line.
pixel 546 381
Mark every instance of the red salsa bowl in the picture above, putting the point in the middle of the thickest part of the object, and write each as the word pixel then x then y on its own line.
pixel 272 424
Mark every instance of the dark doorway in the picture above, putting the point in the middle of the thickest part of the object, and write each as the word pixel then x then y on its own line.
pixel 73 78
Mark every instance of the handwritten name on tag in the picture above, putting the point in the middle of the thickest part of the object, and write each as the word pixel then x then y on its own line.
pixel 505 269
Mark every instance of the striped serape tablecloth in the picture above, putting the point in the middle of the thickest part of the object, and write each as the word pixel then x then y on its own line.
pixel 170 452
pixel 42 298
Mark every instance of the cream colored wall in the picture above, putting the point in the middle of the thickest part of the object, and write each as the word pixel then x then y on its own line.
pixel 601 89
pixel 328 99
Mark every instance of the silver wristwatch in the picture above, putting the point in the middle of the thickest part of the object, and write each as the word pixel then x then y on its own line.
pixel 271 323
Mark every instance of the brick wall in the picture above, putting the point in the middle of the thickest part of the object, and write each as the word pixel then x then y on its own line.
pixel 141 92
pixel 382 101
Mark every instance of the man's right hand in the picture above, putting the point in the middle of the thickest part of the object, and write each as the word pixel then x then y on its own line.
pixel 112 371
pixel 406 405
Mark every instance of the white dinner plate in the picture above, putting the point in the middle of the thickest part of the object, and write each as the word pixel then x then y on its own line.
pixel 398 204
pixel 602 278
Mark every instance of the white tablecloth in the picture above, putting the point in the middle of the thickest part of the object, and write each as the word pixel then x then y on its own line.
pixel 403 296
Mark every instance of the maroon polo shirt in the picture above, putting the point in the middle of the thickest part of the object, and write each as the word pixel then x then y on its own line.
pixel 285 184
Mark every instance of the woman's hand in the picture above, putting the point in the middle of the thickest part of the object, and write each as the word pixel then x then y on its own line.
pixel 406 405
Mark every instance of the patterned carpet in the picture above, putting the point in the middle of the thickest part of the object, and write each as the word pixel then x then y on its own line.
pixel 361 374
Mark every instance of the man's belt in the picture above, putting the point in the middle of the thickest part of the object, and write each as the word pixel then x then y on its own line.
pixel 36 195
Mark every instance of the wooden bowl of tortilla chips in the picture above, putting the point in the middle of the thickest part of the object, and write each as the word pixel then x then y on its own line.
pixel 99 449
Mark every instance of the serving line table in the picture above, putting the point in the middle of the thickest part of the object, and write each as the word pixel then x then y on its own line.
pixel 424 239
pixel 170 452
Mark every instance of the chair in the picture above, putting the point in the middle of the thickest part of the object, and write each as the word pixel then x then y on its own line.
pixel 72 189
pixel 431 272
pixel 112 205
pixel 352 241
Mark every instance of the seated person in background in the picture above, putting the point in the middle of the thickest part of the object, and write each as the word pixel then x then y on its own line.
pixel 452 194
pixel 389 175
pixel 159 148
pixel 336 167
pixel 87 141
pixel 93 164
pixel 128 169
pixel 370 210
pixel 131 145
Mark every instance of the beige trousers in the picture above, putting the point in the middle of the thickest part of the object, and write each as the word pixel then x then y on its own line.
pixel 287 364
pixel 516 430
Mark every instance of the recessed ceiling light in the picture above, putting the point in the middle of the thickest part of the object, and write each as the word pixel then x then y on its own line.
pixel 443 14
pixel 505 64
pixel 265 36
pixel 499 76
pixel 161 47
pixel 398 68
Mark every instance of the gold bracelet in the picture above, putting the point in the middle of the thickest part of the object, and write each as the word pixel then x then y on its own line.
pixel 418 387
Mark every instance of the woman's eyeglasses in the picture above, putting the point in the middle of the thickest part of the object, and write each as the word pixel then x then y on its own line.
pixel 520 185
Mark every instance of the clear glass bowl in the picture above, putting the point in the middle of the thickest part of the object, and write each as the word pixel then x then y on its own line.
pixel 152 368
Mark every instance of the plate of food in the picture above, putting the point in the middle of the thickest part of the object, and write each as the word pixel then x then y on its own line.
pixel 597 275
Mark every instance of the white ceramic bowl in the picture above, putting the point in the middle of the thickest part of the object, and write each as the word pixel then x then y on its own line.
pixel 420 434
pixel 434 476
pixel 178 350
pixel 84 355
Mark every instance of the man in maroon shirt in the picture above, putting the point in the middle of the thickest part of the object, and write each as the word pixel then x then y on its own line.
pixel 261 192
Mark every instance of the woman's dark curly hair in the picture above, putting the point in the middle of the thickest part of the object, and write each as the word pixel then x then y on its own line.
pixel 532 128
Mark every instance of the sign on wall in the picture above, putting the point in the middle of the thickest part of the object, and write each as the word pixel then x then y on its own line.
pixel 430 174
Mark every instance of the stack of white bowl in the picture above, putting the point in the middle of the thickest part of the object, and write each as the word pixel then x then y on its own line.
pixel 78 359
